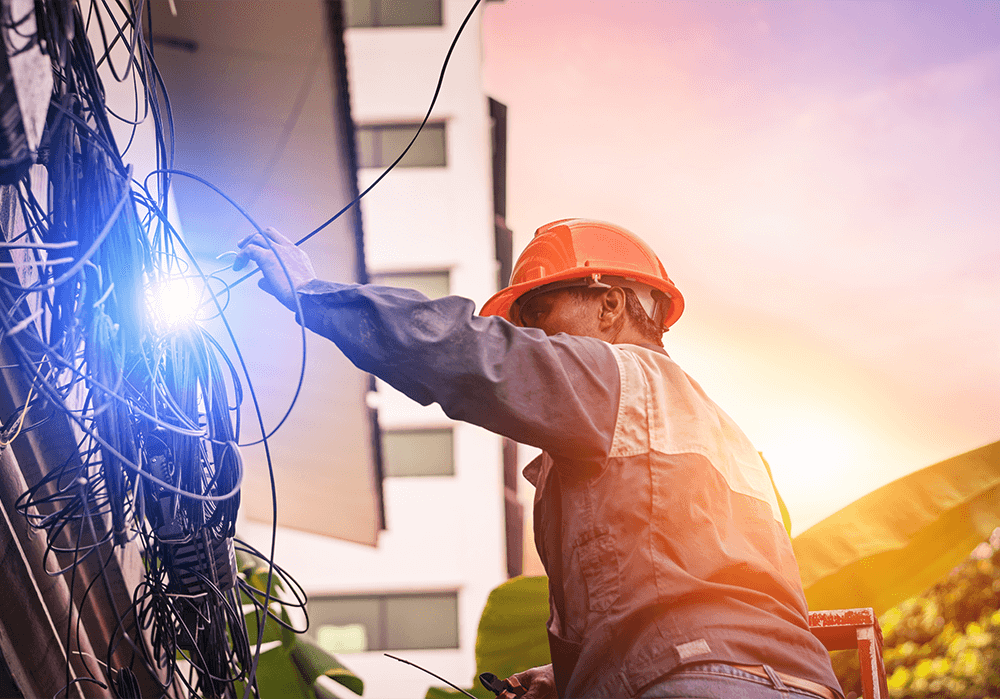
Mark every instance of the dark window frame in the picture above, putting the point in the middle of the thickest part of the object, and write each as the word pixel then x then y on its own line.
pixel 380 18
pixel 379 158
pixel 389 432
pixel 388 278
pixel 381 643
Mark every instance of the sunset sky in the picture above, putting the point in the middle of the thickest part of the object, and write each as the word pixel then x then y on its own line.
pixel 821 181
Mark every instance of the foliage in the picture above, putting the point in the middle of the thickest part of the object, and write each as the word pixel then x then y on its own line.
pixel 786 518
pixel 946 642
pixel 289 663
pixel 512 636
pixel 905 536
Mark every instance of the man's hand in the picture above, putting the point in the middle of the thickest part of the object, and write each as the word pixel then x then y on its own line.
pixel 539 681
pixel 286 268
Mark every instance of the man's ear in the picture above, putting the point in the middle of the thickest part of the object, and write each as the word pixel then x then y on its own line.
pixel 612 312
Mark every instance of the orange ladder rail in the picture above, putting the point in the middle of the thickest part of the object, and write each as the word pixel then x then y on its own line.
pixel 846 629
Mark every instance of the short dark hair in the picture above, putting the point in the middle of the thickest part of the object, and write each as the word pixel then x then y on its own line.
pixel 648 329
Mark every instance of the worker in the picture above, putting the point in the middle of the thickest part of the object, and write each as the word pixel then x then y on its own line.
pixel 670 571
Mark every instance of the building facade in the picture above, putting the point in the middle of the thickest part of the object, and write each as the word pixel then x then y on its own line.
pixel 453 526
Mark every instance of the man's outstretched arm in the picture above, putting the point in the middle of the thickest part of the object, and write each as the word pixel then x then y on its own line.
pixel 558 393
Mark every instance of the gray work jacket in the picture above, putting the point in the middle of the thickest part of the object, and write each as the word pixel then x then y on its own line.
pixel 655 517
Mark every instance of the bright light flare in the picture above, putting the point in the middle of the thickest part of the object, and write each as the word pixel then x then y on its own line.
pixel 821 449
pixel 819 464
pixel 172 301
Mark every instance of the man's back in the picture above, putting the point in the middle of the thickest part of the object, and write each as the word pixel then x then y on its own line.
pixel 673 550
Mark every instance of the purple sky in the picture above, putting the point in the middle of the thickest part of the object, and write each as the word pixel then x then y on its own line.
pixel 821 180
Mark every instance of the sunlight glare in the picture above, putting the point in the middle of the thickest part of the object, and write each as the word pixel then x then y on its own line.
pixel 815 460
pixel 816 447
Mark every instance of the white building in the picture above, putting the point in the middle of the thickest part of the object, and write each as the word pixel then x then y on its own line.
pixel 434 223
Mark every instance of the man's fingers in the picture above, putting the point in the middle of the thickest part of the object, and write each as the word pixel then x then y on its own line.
pixel 538 681
pixel 284 266
pixel 240 261
pixel 253 245
pixel 265 239
pixel 246 239
pixel 275 235
pixel 258 241
pixel 249 252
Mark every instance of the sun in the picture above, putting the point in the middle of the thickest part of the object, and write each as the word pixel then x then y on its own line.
pixel 815 459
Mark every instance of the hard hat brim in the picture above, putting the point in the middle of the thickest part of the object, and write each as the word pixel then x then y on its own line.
pixel 501 302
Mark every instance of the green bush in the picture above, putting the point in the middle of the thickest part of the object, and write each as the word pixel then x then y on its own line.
pixel 944 643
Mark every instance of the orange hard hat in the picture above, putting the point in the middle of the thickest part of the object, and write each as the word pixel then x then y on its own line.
pixel 582 252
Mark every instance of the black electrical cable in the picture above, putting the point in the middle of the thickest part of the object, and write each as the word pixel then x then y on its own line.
pixel 392 165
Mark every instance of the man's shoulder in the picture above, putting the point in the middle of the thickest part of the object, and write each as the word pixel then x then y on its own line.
pixel 647 357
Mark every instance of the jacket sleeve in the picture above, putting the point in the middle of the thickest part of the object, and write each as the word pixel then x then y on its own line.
pixel 557 393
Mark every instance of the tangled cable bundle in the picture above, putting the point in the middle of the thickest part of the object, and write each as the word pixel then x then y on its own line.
pixel 154 408
pixel 155 462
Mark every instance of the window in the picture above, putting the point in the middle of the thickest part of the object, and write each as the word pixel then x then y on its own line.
pixel 393 13
pixel 385 622
pixel 423 452
pixel 433 285
pixel 380 144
